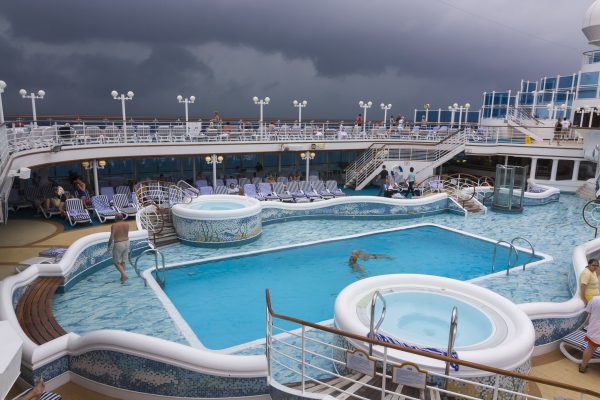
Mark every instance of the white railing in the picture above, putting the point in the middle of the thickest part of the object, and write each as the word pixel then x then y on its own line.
pixel 301 361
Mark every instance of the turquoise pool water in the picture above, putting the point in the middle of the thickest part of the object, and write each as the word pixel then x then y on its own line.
pixel 223 301
pixel 423 319
pixel 217 206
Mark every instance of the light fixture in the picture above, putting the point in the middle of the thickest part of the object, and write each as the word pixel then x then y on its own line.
pixel 208 159
pixel 40 95
pixel 220 159
pixel 427 106
pixel 300 105
pixel 98 164
pixel 102 163
pixel 85 164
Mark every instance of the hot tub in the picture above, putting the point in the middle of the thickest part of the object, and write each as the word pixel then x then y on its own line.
pixel 218 219
pixel 491 330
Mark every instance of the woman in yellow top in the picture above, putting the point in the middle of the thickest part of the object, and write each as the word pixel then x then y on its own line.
pixel 588 281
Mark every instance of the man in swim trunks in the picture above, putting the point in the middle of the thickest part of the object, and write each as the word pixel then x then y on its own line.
pixel 593 332
pixel 119 233
pixel 359 255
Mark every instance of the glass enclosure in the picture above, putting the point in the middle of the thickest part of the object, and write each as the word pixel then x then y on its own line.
pixel 509 189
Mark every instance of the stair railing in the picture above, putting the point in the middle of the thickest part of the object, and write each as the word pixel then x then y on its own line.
pixel 531 255
pixel 510 251
pixel 161 280
pixel 451 339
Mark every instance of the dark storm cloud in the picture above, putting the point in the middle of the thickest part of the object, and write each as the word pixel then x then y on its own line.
pixel 426 51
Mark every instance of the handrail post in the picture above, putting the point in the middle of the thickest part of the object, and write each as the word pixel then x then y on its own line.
pixel 384 372
pixel 303 356
pixel 372 327
pixel 496 387
pixel 451 339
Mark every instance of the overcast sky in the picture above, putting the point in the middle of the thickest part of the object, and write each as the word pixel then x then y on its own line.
pixel 332 53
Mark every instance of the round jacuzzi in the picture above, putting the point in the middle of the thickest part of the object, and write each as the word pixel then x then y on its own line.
pixel 491 330
pixel 218 219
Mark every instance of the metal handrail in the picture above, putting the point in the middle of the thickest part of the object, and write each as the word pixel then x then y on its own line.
pixel 511 248
pixel 156 252
pixel 531 255
pixel 373 328
pixel 451 337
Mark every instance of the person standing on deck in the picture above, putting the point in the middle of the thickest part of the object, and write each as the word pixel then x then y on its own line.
pixel 119 233
pixel 382 179
pixel 593 332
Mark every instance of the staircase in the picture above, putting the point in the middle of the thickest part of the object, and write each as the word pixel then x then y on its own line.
pixel 520 120
pixel 366 167
pixel 155 216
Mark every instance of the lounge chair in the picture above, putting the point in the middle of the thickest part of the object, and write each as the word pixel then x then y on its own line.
pixel 250 191
pixel 220 189
pixel 103 209
pixel 123 190
pixel 16 201
pixel 296 193
pixel 204 190
pixel 282 179
pixel 575 340
pixel 243 181
pixel 256 180
pixel 219 182
pixel 322 190
pixel 43 396
pixel 334 189
pixel 281 192
pixel 201 183
pixel 308 190
pixel 123 205
pixel 108 191
pixel 229 181
pixel 76 214
pixel 266 191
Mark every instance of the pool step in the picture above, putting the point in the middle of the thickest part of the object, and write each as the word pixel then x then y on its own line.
pixel 166 235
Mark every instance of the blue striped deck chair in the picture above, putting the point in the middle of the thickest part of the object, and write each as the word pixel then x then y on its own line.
pixel 575 341
pixel 219 182
pixel 108 191
pixel 43 396
pixel 322 190
pixel 229 181
pixel 76 214
pixel 221 189
pixel 201 183
pixel 280 190
pixel 297 194
pixel 103 209
pixel 204 190
pixel 333 188
pixel 308 190
pixel 123 190
pixel 265 190
pixel 250 191
pixel 124 206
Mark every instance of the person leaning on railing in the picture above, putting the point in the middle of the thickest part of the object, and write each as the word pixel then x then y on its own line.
pixel 588 281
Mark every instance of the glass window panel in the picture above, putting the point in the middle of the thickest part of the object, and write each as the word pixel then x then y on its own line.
pixel 473 116
pixel 420 114
pixel 526 98
pixel 550 84
pixel 587 170
pixel 487 99
pixel 564 172
pixel 543 169
pixel 586 93
pixel 565 82
pixel 433 116
pixel 589 78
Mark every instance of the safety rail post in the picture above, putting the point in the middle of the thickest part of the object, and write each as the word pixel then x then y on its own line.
pixel 372 327
pixel 303 357
pixel 451 340
pixel 384 372
pixel 496 387
pixel 531 256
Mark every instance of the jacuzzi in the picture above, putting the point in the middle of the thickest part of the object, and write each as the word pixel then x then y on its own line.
pixel 218 219
pixel 491 330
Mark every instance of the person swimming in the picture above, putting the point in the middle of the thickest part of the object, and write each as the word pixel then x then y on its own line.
pixel 356 255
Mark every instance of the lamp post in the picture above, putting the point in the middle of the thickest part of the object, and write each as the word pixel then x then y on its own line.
pixel 40 95
pixel 385 110
pixel 365 106
pixel 307 155
pixel 2 86
pixel 427 107
pixel 122 97
pixel 186 101
pixel 261 103
pixel 300 105
pixel 455 107
pixel 214 160
pixel 94 165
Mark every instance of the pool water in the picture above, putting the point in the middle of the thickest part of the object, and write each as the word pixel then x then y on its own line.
pixel 423 319
pixel 223 301
pixel 216 206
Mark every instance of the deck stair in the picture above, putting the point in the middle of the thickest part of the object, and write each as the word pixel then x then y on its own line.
pixel 156 199
pixel 427 154
pixel 34 310
pixel 521 120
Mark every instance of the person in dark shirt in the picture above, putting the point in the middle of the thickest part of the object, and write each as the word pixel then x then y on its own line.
pixel 382 178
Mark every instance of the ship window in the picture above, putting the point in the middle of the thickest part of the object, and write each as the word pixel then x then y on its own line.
pixel 589 78
pixel 543 168
pixel 564 172
pixel 550 83
pixel 586 93
pixel 446 116
pixel 565 82
pixel 526 98
pixel 586 170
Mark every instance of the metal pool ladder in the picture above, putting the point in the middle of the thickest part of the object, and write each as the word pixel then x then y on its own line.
pixel 375 327
pixel 451 336
pixel 510 251
pixel 531 255
pixel 160 269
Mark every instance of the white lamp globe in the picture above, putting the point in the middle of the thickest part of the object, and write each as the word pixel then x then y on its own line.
pixel 468 105
pixel 455 105
pixel 360 103
pixel 370 103
pixel 267 100
pixel 220 159
pixel 449 108
pixel 390 105
pixel 179 97
pixel 192 98
pixel 549 106
pixel 208 159
pixel 114 93
pixel 304 102
pixel 382 105
pixel 41 93
pixel 2 85
pixel 130 94
pixel 255 99
pixel 295 102
pixel 23 92
pixel 563 106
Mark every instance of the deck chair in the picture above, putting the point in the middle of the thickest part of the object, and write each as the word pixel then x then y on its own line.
pixel 308 190
pixel 322 190
pixel 43 396
pixel 76 214
pixel 250 191
pixel 220 189
pixel 123 190
pixel 123 205
pixel 16 201
pixel 229 181
pixel 204 190
pixel 243 181
pixel 201 183
pixel 103 209
pixel 256 180
pixel 281 192
pixel 334 189
pixel 282 179
pixel 574 340
pixel 219 182
pixel 265 190
pixel 296 193
pixel 108 191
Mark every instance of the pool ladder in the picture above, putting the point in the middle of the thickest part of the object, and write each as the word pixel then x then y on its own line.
pixel 375 327
pixel 451 337
pixel 512 249
pixel 160 269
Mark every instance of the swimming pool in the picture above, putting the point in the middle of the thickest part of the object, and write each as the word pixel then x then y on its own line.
pixel 223 301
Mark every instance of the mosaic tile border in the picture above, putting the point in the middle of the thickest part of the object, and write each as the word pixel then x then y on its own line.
pixel 550 330
pixel 203 231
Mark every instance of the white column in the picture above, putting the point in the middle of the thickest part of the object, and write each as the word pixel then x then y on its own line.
pixel 1 109
pixel 95 170
pixel 300 115
pixel 124 117
pixel 554 169
pixel 214 165
pixel 505 160
pixel 576 170
pixel 34 113
pixel 533 167
pixel 307 163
